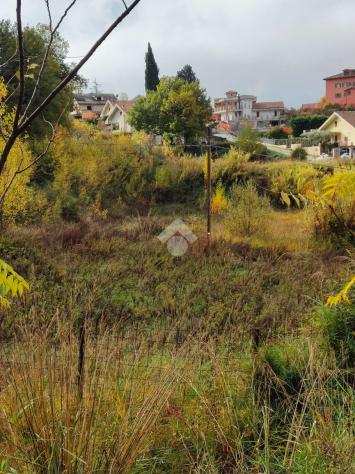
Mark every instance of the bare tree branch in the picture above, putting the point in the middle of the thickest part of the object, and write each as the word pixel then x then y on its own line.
pixel 67 10
pixel 18 129
pixel 10 95
pixel 76 69
pixel 21 66
pixel 48 49
pixel 38 157
pixel 36 160
pixel 11 79
pixel 49 15
pixel 11 58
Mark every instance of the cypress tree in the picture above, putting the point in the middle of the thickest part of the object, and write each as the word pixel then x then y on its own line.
pixel 187 74
pixel 151 71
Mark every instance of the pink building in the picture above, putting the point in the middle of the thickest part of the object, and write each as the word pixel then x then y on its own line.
pixel 340 89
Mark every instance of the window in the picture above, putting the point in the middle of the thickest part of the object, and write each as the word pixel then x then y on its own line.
pixel 338 95
pixel 336 123
pixel 258 114
pixel 275 113
pixel 88 107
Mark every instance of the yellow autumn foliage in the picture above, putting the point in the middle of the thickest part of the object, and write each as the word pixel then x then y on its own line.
pixel 17 198
pixel 343 295
pixel 219 201
pixel 334 204
pixel 341 185
pixel 11 284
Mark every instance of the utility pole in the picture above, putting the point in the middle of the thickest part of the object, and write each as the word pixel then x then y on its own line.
pixel 96 86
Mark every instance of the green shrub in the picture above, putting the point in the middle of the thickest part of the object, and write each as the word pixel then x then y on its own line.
pixel 70 209
pixel 179 179
pixel 334 209
pixel 292 183
pixel 95 169
pixel 230 168
pixel 288 361
pixel 335 225
pixel 299 153
pixel 248 142
pixel 278 133
pixel 281 371
pixel 248 210
pixel 303 123
pixel 337 327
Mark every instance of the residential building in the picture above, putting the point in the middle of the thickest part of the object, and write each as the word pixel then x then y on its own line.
pixel 341 126
pixel 268 114
pixel 234 109
pixel 340 88
pixel 90 105
pixel 115 115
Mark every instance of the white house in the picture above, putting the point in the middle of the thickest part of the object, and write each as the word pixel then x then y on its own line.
pixel 234 108
pixel 341 126
pixel 115 115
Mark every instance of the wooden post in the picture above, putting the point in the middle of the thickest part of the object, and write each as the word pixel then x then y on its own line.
pixel 209 188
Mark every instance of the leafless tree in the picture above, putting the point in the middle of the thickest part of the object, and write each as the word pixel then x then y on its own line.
pixel 24 115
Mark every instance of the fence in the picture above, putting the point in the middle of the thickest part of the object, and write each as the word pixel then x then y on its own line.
pixel 304 142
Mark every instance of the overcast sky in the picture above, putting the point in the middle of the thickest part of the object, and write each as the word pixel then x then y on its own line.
pixel 275 49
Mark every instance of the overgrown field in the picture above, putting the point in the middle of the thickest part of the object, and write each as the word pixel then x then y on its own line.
pixel 122 358
pixel 220 363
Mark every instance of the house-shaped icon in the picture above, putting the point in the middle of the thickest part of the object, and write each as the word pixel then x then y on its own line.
pixel 177 228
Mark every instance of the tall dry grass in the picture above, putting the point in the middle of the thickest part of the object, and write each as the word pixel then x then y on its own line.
pixel 53 422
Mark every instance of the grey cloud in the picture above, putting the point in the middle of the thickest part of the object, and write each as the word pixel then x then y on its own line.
pixel 277 49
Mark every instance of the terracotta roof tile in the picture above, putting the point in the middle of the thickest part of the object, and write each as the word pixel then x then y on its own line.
pixel 125 105
pixel 89 115
pixel 268 105
pixel 348 115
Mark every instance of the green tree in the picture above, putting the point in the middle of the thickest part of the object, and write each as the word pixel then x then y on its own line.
pixel 177 109
pixel 35 41
pixel 187 74
pixel 151 71
pixel 248 141
pixel 301 123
